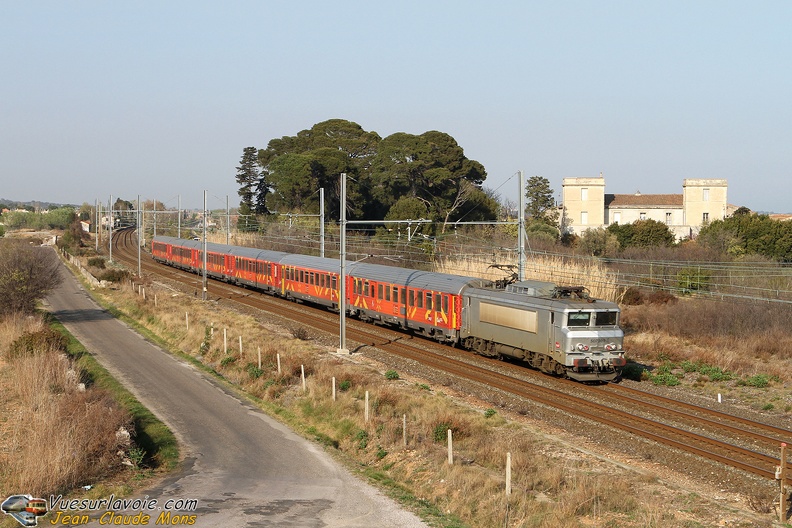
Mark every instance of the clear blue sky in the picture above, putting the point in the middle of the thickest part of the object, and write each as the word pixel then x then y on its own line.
pixel 159 99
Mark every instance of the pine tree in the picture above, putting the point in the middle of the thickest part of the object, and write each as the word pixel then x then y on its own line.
pixel 247 177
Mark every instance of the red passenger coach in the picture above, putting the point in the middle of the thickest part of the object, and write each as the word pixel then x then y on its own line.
pixel 312 279
pixel 430 303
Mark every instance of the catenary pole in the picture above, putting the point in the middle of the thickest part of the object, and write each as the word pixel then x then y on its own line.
pixel 342 257
pixel 521 229
pixel 203 293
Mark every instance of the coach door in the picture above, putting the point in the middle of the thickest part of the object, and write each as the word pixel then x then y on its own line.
pixel 442 307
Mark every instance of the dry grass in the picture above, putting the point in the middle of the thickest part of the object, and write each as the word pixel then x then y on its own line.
pixel 746 339
pixel 551 486
pixel 565 272
pixel 55 435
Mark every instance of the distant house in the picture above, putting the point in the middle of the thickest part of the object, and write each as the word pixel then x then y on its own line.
pixel 587 206
pixel 86 225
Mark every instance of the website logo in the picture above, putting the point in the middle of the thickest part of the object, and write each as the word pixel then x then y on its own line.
pixel 24 508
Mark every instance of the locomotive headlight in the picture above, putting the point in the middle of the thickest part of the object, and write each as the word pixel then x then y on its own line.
pixel 582 347
pixel 610 347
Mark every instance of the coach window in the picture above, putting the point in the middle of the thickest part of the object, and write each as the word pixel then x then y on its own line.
pixel 419 297
pixel 379 291
pixel 428 300
pixel 437 302
pixel 396 294
pixel 335 282
pixel 387 293
pixel 366 288
pixel 411 297
pixel 445 304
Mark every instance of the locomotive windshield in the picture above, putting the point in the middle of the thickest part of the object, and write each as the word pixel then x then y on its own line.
pixel 578 318
pixel 606 318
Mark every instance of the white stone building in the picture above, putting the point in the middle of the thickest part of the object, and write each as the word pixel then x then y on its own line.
pixel 586 205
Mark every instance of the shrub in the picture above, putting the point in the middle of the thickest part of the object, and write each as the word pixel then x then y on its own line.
pixel 716 373
pixel 440 432
pixel 300 333
pixel 665 378
pixel 693 279
pixel 489 413
pixel 254 371
pixel 391 375
pixel 362 438
pixel 759 381
pixel 660 297
pixel 97 262
pixel 113 275
pixel 31 343
pixel 227 360
pixel 27 274
pixel 633 371
pixel 632 297
pixel 344 385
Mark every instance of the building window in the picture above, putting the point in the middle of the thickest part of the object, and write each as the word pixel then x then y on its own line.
pixel 668 218
pixel 584 194
pixel 705 195
pixel 617 217
pixel 642 216
pixel 584 218
pixel 705 217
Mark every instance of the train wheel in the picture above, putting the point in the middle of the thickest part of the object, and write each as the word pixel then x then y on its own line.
pixel 560 370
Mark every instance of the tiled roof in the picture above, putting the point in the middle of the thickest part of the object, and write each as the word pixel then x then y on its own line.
pixel 643 200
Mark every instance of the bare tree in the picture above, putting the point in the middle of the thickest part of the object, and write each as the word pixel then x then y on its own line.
pixel 27 275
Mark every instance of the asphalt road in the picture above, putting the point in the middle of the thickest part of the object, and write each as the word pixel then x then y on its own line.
pixel 244 468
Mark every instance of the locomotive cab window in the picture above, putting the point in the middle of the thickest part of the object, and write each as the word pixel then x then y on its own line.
pixel 578 318
pixel 606 318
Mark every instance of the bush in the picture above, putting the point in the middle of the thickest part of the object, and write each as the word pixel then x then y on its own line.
pixel 27 274
pixel 227 360
pixel 759 381
pixel 665 378
pixel 633 371
pixel 97 262
pixel 632 297
pixel 660 297
pixel 30 344
pixel 113 275
pixel 345 385
pixel 391 375
pixel 253 371
pixel 693 279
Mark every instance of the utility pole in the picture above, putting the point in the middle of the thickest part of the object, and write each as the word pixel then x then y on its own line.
pixel 203 294
pixel 521 229
pixel 342 257
pixel 139 236
pixel 110 241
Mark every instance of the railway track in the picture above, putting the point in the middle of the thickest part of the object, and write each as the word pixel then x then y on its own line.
pixel 713 435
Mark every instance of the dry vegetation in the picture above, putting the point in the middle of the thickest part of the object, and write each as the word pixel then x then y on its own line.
pixel 590 273
pixel 55 433
pixel 552 486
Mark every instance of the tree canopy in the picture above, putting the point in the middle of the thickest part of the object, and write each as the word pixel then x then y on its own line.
pixel 430 169
pixel 642 233
pixel 540 204
pixel 746 234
